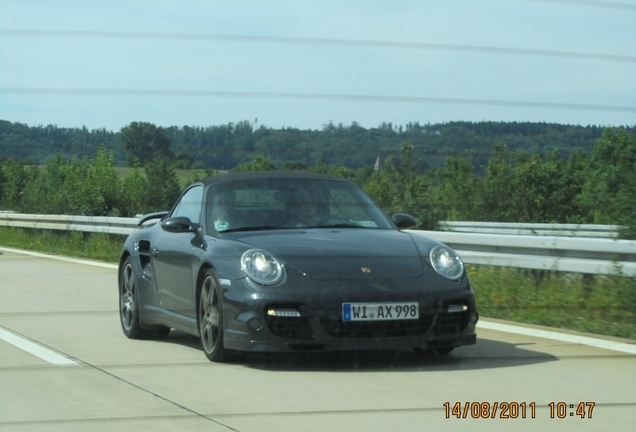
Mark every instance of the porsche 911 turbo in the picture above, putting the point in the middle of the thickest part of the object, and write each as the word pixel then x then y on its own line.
pixel 289 261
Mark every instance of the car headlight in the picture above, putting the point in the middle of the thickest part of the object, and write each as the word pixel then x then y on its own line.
pixel 261 266
pixel 446 262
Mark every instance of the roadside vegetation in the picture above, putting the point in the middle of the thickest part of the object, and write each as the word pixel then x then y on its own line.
pixel 95 246
pixel 521 186
pixel 600 304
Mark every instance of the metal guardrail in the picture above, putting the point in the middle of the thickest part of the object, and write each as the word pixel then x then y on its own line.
pixel 101 224
pixel 558 230
pixel 568 254
pixel 541 252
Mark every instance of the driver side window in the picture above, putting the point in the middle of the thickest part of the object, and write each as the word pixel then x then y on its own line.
pixel 190 205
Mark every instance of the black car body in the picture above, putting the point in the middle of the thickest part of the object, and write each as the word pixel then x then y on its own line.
pixel 254 278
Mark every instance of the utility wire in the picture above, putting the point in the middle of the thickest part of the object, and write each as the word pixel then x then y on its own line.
pixel 589 3
pixel 305 96
pixel 313 41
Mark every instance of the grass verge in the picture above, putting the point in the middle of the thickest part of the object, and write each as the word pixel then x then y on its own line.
pixel 604 305
pixel 97 246
pixel 600 304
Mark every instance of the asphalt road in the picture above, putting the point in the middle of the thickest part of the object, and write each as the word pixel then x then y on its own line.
pixel 65 366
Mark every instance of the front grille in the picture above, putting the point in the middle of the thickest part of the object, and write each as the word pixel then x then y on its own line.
pixel 289 327
pixel 335 327
pixel 298 328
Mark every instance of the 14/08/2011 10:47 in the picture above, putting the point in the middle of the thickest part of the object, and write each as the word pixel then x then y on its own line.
pixel 508 410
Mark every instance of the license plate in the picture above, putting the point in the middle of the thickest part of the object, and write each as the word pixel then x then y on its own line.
pixel 380 311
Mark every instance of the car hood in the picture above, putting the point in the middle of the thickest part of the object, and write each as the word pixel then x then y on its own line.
pixel 336 254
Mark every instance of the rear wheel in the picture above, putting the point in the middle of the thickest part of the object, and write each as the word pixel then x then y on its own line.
pixel 210 316
pixel 129 307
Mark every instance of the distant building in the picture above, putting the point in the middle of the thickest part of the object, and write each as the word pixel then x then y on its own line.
pixel 378 164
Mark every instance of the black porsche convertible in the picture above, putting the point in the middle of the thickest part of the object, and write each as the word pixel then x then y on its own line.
pixel 289 261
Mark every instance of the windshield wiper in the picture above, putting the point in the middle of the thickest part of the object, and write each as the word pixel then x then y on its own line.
pixel 339 225
pixel 254 228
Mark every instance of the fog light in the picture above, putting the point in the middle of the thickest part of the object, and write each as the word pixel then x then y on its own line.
pixel 254 324
pixel 283 313
pixel 474 317
pixel 457 308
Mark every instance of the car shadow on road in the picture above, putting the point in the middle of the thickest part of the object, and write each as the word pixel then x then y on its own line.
pixel 486 354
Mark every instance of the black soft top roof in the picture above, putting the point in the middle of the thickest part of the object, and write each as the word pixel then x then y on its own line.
pixel 266 175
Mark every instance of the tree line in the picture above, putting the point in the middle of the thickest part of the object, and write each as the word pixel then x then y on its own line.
pixel 226 146
pixel 510 185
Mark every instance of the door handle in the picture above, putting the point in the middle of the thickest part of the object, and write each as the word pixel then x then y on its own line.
pixel 155 252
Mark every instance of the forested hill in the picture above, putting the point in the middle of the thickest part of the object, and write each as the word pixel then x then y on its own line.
pixel 225 146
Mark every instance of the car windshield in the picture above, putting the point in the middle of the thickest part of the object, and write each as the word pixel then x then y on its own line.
pixel 291 203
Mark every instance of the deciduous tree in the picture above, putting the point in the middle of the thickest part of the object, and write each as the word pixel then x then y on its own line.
pixel 144 141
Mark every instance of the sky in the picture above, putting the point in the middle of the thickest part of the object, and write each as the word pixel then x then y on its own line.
pixel 304 64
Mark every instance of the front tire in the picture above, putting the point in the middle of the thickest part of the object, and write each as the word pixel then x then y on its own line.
pixel 129 307
pixel 210 317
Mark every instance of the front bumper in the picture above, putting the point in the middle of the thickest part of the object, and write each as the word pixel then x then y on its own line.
pixel 447 315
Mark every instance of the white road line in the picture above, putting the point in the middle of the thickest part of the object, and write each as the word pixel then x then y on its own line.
pixel 37 350
pixel 60 258
pixel 563 337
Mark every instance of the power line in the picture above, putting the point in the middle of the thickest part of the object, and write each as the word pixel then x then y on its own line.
pixel 306 96
pixel 315 41
pixel 589 3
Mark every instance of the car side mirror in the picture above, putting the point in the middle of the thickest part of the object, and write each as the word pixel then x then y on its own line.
pixel 403 221
pixel 179 224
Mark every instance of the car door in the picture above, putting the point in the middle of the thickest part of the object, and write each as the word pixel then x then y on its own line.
pixel 174 259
